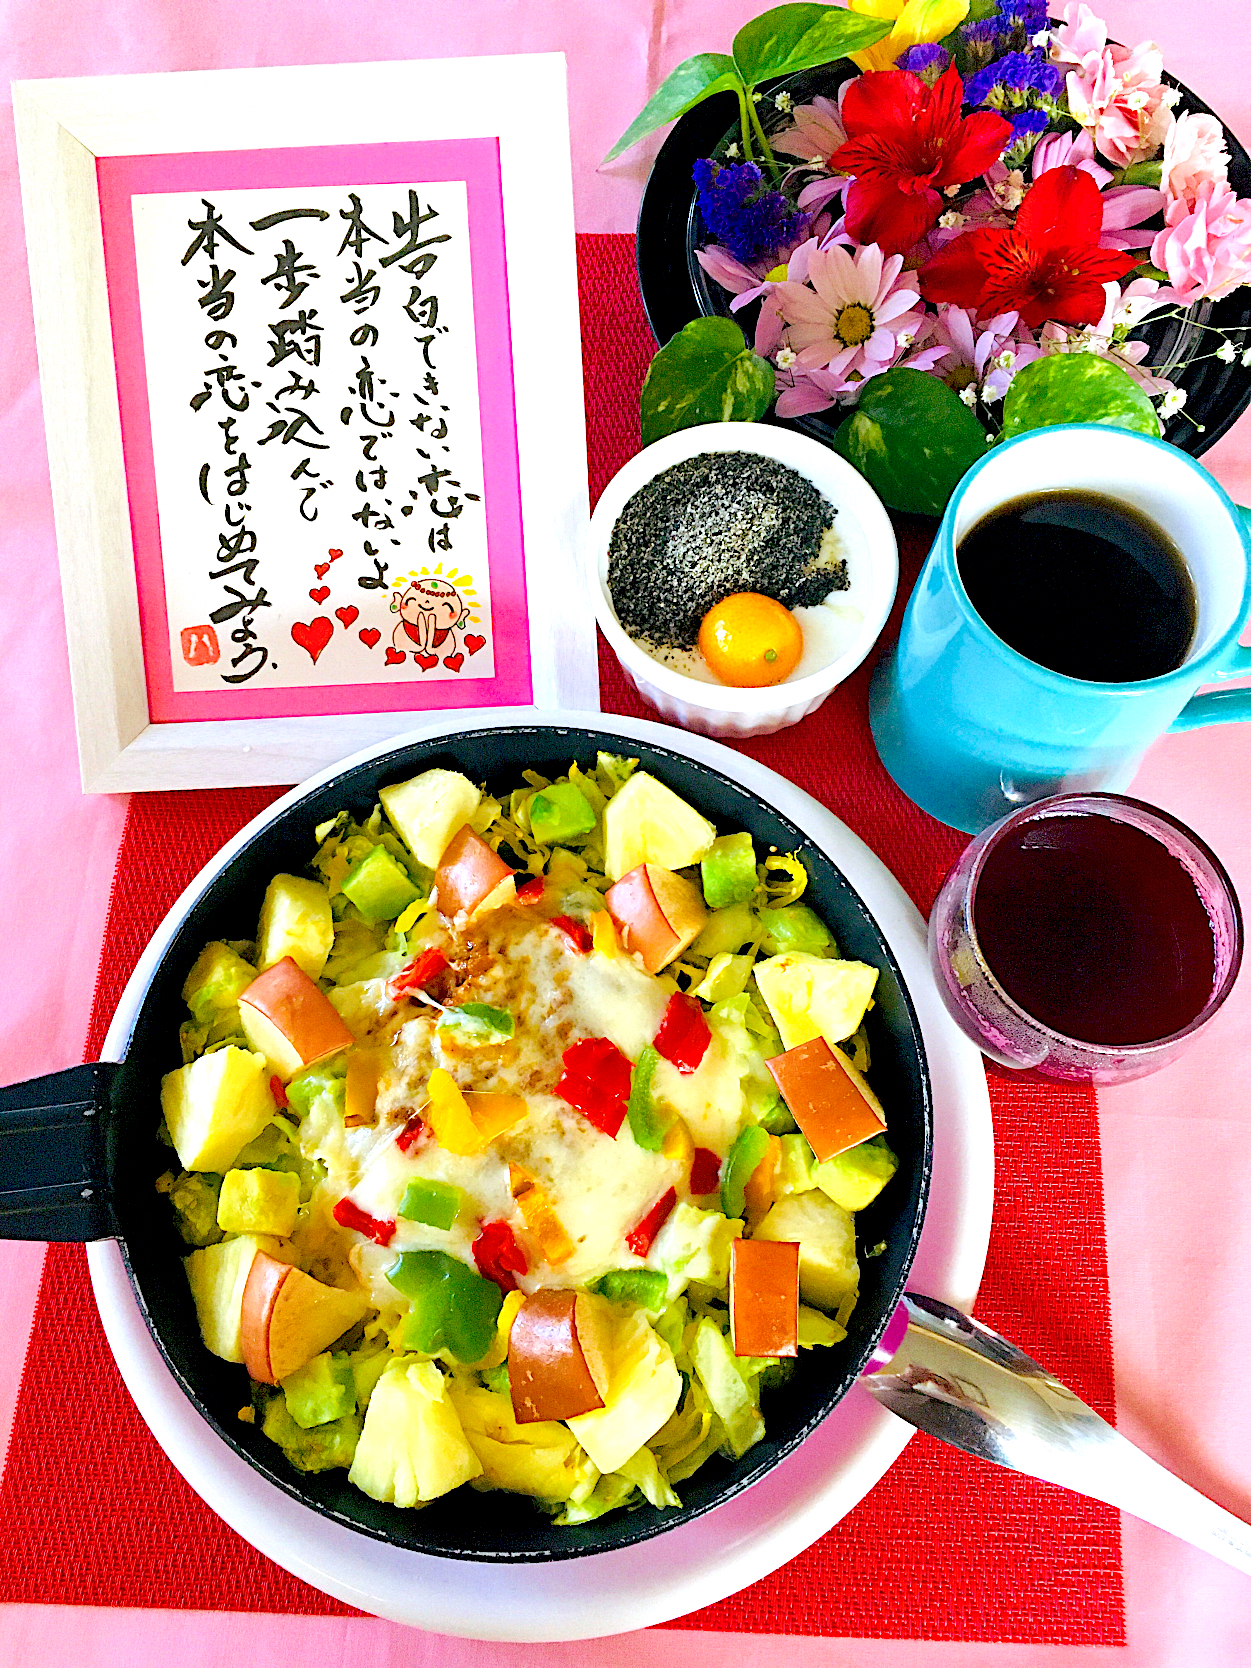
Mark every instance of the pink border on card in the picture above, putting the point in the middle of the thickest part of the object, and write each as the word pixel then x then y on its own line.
pixel 477 163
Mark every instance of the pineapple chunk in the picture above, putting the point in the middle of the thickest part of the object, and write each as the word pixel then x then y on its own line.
pixel 646 822
pixel 215 1106
pixel 216 981
pixel 258 1202
pixel 644 1387
pixel 429 809
pixel 542 1459
pixel 296 922
pixel 810 996
pixel 412 1447
pixel 828 1271
pixel 217 1276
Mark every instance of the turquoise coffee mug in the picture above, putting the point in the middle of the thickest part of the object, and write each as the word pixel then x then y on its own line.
pixel 969 728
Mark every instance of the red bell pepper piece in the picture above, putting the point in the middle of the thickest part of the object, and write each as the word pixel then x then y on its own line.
pixel 639 1239
pixel 705 1172
pixel 278 1091
pixel 683 1036
pixel 415 1130
pixel 498 1255
pixel 348 1215
pixel 578 935
pixel 418 974
pixel 596 1082
pixel 531 891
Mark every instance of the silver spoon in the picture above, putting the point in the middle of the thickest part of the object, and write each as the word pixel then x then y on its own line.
pixel 966 1385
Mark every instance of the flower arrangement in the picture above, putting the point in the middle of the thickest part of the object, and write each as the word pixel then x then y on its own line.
pixel 990 191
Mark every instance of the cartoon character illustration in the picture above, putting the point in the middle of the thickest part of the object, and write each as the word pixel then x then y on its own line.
pixel 430 610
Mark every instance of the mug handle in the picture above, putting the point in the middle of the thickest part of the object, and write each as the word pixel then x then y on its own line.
pixel 1222 706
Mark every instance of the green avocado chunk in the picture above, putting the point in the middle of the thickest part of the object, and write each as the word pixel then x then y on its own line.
pixel 560 813
pixel 854 1178
pixel 379 887
pixel 323 1448
pixel 729 871
pixel 795 928
pixel 321 1391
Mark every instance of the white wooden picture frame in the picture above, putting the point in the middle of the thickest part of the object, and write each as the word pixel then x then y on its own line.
pixel 63 128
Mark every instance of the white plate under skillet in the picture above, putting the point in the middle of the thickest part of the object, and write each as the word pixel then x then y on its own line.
pixel 702 1561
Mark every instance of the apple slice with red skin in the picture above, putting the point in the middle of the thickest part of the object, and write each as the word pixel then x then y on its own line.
pixel 288 1018
pixel 557 1355
pixel 288 1317
pixel 658 913
pixel 828 1098
pixel 764 1297
pixel 470 876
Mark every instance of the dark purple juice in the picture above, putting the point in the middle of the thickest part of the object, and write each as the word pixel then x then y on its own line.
pixel 1095 929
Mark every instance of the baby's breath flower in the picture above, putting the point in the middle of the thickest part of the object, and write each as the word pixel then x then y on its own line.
pixel 905 339
pixel 1227 351
pixel 785 358
pixel 783 102
pixel 1172 402
pixel 1246 358
pixel 969 396
pixel 951 220
pixel 1006 359
pixel 732 148
pixel 1010 193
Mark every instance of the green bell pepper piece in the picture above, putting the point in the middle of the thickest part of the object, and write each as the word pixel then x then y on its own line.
pixel 647 1126
pixel 452 1307
pixel 435 1203
pixel 479 1023
pixel 750 1146
pixel 645 1286
pixel 560 813
pixel 729 871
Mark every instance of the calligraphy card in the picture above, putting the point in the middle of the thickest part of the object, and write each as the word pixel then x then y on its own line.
pixel 341 479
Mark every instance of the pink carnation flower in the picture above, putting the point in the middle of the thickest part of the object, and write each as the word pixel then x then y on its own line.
pixel 1206 245
pixel 1115 92
pixel 1195 154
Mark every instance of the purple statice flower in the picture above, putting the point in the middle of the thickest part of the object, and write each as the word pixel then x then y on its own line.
pixel 1028 127
pixel 928 61
pixel 1009 82
pixel 1011 27
pixel 743 214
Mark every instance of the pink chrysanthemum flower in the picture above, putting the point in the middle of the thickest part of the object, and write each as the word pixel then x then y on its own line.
pixel 850 317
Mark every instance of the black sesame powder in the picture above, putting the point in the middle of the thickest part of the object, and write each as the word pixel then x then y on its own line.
pixel 713 525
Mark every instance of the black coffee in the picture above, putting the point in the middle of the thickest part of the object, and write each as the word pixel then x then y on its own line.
pixel 1081 584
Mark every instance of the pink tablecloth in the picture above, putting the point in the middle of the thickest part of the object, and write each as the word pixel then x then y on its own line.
pixel 1177 1156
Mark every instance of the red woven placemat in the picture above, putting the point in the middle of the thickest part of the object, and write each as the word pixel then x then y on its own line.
pixel 91 1512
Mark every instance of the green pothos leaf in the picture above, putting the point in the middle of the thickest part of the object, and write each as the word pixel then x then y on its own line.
pixel 690 84
pixel 912 439
pixel 1076 388
pixel 792 38
pixel 704 374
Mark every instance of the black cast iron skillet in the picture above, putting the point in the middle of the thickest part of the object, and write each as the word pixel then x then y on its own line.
pixel 78 1153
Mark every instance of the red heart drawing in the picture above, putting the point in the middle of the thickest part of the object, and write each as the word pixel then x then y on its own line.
pixel 395 657
pixel 321 569
pixel 454 661
pixel 346 615
pixel 320 593
pixel 370 638
pixel 313 636
pixel 473 644
pixel 334 555
pixel 426 661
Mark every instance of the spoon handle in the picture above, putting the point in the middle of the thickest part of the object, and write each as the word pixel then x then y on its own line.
pixel 967 1385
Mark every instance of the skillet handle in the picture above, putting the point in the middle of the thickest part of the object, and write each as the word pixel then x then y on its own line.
pixel 54 1160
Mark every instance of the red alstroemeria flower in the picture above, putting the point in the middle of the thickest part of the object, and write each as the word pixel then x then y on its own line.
pixel 906 144
pixel 1048 266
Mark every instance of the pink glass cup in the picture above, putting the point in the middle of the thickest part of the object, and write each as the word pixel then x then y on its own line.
pixel 1004 1031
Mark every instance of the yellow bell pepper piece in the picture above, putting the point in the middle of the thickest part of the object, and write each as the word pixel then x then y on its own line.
pixel 466 1123
pixel 678 1143
pixel 604 938
pixel 535 1205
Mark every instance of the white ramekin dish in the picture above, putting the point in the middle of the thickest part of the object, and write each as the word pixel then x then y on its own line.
pixel 872 563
